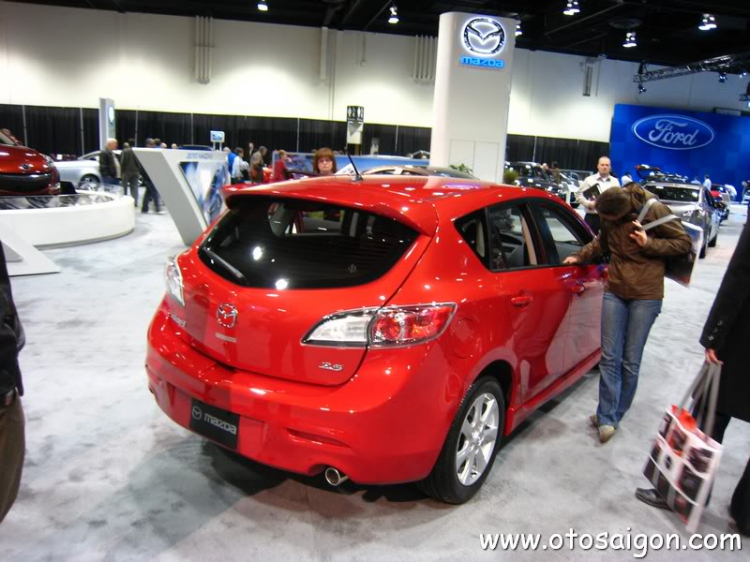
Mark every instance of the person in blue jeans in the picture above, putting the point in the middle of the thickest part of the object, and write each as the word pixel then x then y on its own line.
pixel 633 294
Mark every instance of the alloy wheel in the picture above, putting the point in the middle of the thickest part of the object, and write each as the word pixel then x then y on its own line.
pixel 477 440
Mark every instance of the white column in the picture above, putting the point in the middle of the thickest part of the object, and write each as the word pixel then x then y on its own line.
pixel 472 92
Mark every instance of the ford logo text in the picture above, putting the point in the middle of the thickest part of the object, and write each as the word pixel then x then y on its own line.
pixel 673 132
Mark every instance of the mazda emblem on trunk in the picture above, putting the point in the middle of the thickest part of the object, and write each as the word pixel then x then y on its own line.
pixel 226 314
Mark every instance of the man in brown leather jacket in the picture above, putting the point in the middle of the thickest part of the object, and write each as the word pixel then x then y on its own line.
pixel 633 295
pixel 11 413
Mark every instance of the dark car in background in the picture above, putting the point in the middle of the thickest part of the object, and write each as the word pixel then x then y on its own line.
pixel 25 172
pixel 531 174
pixel 723 197
pixel 693 204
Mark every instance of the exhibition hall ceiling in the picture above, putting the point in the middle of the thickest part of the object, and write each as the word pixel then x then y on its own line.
pixel 666 31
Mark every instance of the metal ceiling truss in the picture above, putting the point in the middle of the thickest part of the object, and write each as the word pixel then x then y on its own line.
pixel 731 64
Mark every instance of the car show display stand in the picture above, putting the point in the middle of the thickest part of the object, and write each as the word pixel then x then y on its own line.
pixel 190 183
pixel 21 257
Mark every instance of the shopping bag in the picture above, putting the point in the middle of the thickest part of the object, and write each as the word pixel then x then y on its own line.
pixel 683 460
pixel 678 268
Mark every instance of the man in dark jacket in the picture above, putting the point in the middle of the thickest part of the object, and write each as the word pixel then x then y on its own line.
pixel 633 295
pixel 725 336
pixel 109 166
pixel 12 445
pixel 130 172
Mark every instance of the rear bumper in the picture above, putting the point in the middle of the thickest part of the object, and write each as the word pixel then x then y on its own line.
pixel 385 425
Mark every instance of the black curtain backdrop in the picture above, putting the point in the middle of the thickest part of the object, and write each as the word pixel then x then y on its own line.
pixel 316 133
pixel 570 154
pixel 125 126
pixel 386 135
pixel 11 117
pixel 275 133
pixel 91 141
pixel 519 148
pixel 54 129
pixel 412 139
pixel 167 127
pixel 61 130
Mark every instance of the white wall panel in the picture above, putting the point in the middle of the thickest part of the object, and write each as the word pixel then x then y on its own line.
pixel 71 57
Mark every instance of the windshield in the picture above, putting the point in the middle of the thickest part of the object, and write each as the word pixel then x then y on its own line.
pixel 682 194
pixel 5 140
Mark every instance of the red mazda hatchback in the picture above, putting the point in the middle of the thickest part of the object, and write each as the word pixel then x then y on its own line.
pixel 25 172
pixel 388 330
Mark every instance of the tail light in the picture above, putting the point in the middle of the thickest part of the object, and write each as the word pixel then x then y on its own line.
pixel 173 278
pixel 388 326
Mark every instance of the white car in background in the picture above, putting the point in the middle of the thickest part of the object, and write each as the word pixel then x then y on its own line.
pixel 82 173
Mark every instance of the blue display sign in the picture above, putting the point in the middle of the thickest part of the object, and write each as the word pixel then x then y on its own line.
pixel 486 63
pixel 688 143
pixel 673 132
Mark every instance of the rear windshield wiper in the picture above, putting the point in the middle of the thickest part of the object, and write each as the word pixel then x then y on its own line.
pixel 236 273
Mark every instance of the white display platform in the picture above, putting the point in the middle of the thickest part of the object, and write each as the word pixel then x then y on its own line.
pixel 22 258
pixel 67 220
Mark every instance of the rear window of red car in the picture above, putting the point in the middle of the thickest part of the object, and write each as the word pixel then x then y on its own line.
pixel 307 244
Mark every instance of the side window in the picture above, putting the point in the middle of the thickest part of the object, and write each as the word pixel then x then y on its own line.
pixel 511 240
pixel 564 237
pixel 471 228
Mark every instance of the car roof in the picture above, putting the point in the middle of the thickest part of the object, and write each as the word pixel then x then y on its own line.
pixel 683 185
pixel 418 201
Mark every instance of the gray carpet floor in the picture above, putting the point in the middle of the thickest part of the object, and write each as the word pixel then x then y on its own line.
pixel 109 477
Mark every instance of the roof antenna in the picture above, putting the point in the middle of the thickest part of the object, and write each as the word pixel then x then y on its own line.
pixel 357 175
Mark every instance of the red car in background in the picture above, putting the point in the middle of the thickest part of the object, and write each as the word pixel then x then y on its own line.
pixel 387 330
pixel 24 171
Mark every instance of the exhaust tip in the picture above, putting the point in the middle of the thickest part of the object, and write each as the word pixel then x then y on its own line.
pixel 334 477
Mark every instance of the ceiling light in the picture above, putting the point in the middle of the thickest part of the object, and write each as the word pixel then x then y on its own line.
pixel 709 22
pixel 641 88
pixel 722 77
pixel 630 40
pixel 572 8
pixel 394 15
pixel 519 31
pixel 262 6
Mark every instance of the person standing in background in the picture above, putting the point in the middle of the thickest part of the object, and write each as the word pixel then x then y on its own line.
pixel 604 180
pixel 280 172
pixel 257 162
pixel 109 166
pixel 151 191
pixel 130 172
pixel 324 162
pixel 724 337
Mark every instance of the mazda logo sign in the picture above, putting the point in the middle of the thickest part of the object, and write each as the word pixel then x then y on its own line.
pixel 484 36
pixel 226 314
pixel 197 413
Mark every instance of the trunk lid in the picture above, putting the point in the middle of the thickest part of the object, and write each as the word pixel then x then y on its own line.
pixel 273 268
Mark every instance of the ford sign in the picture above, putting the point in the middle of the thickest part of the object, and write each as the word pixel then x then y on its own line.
pixel 673 132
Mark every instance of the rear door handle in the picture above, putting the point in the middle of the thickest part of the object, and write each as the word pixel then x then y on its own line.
pixel 521 300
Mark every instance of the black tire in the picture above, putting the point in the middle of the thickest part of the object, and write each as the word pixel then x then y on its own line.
pixel 714 240
pixel 703 250
pixel 442 483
